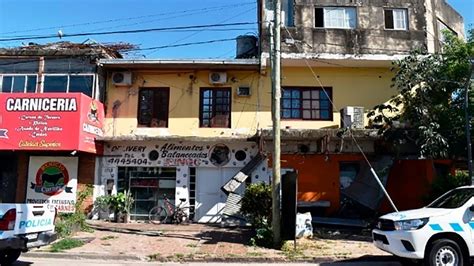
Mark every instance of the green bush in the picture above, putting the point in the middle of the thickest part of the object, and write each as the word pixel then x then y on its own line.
pixel 257 208
pixel 443 184
pixel 122 202
pixel 65 244
pixel 257 204
pixel 263 236
pixel 68 223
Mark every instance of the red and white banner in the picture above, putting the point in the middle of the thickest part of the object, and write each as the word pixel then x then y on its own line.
pixel 50 121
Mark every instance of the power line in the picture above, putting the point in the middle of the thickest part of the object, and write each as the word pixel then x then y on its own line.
pixel 128 18
pixel 200 12
pixel 129 31
pixel 183 44
pixel 193 34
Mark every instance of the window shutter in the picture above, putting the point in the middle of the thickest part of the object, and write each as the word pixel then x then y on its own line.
pixel 389 19
pixel 319 17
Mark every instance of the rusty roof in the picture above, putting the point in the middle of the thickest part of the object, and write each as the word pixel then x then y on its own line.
pixel 58 49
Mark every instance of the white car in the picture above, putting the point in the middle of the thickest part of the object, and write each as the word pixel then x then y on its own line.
pixel 441 233
pixel 22 227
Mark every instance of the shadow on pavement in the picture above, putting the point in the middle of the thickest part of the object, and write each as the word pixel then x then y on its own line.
pixel 367 260
pixel 241 236
pixel 22 263
pixel 334 233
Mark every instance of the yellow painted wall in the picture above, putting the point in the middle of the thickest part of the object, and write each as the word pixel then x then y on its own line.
pixel 183 105
pixel 365 87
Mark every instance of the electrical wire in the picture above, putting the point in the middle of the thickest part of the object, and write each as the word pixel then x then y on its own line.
pixel 128 31
pixel 193 34
pixel 129 18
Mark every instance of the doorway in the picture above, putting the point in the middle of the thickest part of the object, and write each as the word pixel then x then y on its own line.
pixel 210 200
pixel 8 177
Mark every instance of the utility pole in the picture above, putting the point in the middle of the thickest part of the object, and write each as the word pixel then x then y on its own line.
pixel 276 89
pixel 468 121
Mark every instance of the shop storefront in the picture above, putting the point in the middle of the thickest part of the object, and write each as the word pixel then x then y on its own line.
pixel 194 171
pixel 48 146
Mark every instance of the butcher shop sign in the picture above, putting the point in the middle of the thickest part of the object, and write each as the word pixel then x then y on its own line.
pixel 53 181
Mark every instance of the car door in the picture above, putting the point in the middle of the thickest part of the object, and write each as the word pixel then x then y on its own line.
pixel 469 213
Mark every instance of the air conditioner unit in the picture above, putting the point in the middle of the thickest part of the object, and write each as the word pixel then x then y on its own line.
pixel 217 77
pixel 243 91
pixel 352 117
pixel 122 78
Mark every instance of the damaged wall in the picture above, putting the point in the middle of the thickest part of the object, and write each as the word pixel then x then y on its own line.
pixel 369 35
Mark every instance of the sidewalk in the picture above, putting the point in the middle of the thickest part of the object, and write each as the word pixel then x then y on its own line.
pixel 199 242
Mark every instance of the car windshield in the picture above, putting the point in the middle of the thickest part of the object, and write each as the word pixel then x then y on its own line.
pixel 453 199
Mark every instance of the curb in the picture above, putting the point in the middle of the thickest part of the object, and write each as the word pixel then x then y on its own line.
pixel 84 256
pixel 89 256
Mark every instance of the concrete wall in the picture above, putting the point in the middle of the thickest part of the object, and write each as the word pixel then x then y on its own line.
pixel 370 35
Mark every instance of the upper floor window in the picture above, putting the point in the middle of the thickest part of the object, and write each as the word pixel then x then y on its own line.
pixel 306 103
pixel 69 83
pixel 215 107
pixel 335 17
pixel 396 19
pixel 18 83
pixel 153 106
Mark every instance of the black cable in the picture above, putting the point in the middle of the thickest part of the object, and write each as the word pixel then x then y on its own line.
pixel 128 18
pixel 128 31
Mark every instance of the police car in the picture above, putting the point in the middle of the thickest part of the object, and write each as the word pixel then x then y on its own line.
pixel 24 226
pixel 441 233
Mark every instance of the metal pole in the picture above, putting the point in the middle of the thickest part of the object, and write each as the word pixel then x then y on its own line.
pixel 276 89
pixel 468 123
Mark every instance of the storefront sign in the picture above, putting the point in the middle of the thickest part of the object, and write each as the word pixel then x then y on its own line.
pixel 53 181
pixel 176 154
pixel 50 121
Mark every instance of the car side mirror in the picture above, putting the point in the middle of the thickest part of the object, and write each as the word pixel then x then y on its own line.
pixel 471 208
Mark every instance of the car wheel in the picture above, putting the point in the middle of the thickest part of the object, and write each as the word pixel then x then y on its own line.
pixel 7 257
pixel 445 252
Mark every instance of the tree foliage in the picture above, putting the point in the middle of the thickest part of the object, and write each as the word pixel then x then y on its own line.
pixel 257 204
pixel 429 112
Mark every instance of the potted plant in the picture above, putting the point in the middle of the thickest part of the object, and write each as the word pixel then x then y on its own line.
pixel 122 203
pixel 103 205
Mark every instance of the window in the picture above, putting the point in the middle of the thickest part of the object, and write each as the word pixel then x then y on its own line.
pixel 215 107
pixel 153 107
pixel 306 103
pixel 287 12
pixel 396 19
pixel 69 83
pixel 18 83
pixel 335 17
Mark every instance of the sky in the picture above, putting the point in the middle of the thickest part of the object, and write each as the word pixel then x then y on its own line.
pixel 21 18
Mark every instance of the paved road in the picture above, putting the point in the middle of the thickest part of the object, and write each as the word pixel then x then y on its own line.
pixel 63 262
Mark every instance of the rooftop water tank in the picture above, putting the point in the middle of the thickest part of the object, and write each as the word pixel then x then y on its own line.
pixel 246 46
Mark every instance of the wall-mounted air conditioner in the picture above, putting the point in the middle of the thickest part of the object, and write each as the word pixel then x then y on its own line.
pixel 352 117
pixel 243 91
pixel 122 78
pixel 217 77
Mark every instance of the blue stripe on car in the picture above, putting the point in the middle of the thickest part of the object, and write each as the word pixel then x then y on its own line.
pixel 472 225
pixel 456 227
pixel 436 227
